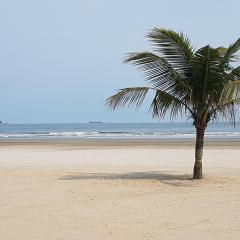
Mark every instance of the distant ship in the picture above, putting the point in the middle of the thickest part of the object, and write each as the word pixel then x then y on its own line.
pixel 95 122
pixel 1 122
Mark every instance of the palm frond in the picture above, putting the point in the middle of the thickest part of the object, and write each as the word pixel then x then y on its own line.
pixel 207 75
pixel 236 72
pixel 164 102
pixel 133 96
pixel 232 52
pixel 226 112
pixel 158 72
pixel 173 46
pixel 153 66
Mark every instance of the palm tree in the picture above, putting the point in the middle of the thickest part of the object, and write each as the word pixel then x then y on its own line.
pixel 202 84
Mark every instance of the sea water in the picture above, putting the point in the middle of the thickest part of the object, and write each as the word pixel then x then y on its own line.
pixel 173 130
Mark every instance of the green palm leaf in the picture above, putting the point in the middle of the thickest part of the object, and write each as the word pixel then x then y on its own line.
pixel 236 72
pixel 164 102
pixel 159 72
pixel 208 80
pixel 174 47
pixel 127 96
pixel 232 52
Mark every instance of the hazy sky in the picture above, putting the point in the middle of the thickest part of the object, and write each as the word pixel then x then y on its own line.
pixel 60 59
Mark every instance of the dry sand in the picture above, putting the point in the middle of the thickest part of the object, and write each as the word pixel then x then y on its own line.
pixel 132 192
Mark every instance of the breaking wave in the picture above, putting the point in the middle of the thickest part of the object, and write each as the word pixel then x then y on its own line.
pixel 113 134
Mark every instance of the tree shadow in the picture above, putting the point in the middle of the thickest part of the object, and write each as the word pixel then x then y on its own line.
pixel 169 177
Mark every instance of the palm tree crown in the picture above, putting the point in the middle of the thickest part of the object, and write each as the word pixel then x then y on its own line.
pixel 183 79
pixel 203 83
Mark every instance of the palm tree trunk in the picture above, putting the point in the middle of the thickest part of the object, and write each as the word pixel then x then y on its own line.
pixel 197 172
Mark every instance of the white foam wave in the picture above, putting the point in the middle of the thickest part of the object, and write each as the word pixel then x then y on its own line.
pixel 94 134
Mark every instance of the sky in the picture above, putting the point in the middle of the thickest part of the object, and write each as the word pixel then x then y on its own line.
pixel 60 59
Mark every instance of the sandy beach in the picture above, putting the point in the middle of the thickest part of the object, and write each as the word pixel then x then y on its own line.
pixel 118 190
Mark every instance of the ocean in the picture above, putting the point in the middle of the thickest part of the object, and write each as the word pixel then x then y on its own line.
pixel 114 131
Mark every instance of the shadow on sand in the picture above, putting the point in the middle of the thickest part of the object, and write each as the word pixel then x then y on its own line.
pixel 164 177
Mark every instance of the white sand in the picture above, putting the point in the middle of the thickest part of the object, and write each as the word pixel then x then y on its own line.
pixel 119 193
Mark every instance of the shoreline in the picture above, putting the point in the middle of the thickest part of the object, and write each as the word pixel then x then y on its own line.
pixel 118 143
